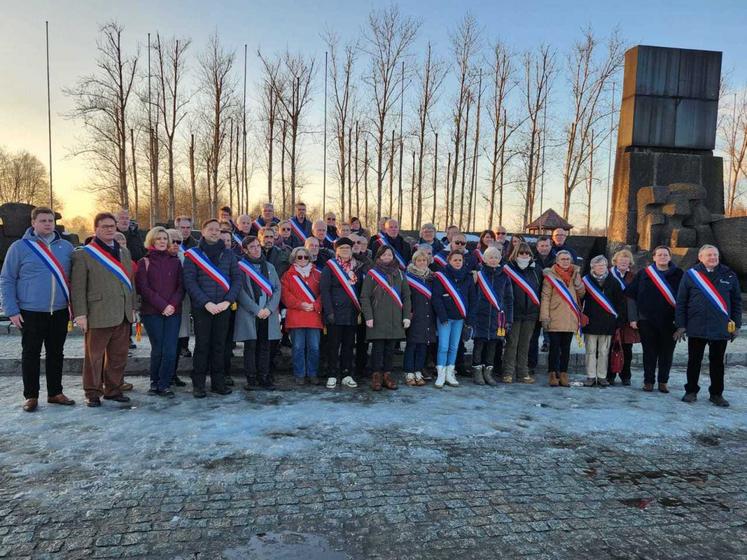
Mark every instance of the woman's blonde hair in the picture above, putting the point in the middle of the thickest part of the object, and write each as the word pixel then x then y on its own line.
pixel 420 253
pixel 622 253
pixel 150 237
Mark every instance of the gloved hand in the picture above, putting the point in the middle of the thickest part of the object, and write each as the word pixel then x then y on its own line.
pixel 406 323
pixel 680 334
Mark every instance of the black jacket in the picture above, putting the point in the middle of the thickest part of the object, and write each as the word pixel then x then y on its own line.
pixel 483 317
pixel 600 321
pixel 648 303
pixel 524 308
pixel 338 307
pixel 423 321
pixel 399 243
pixel 443 304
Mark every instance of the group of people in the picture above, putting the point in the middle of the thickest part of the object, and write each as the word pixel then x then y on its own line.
pixel 345 301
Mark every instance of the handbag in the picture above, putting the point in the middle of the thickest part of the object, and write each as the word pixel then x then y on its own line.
pixel 617 359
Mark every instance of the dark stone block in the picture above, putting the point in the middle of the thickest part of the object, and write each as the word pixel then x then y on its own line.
pixel 699 74
pixel 695 124
pixel 16 218
pixel 683 237
pixel 654 123
pixel 677 168
pixel 712 179
pixel 731 239
pixel 656 70
pixel 704 235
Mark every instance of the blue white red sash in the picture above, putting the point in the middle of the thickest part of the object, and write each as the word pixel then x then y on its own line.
pixel 709 291
pixel 297 229
pixel 661 285
pixel 565 295
pixel 419 286
pixel 488 291
pixel 598 295
pixel 384 242
pixel 237 238
pixel 329 238
pixel 453 292
pixel 47 257
pixel 523 284
pixel 109 262
pixel 203 263
pixel 381 281
pixel 305 288
pixel 344 281
pixel 479 256
pixel 264 284
pixel 439 259
pixel 257 224
pixel 619 277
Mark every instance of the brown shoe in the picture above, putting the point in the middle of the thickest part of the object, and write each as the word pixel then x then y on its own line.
pixel 663 388
pixel 376 381
pixel 389 383
pixel 553 379
pixel 30 405
pixel 508 378
pixel 60 399
pixel 126 387
pixel 648 387
pixel 563 379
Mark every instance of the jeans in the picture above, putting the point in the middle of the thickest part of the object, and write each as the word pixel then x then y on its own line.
pixel 210 344
pixel 695 351
pixel 305 351
pixel 48 329
pixel 483 352
pixel 560 351
pixel 415 354
pixel 381 354
pixel 340 344
pixel 658 348
pixel 163 333
pixel 597 355
pixel 449 335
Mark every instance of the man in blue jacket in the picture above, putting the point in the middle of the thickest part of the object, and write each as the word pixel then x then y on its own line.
pixel 35 296
pixel 709 312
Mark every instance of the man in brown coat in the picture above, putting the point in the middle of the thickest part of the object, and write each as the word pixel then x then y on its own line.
pixel 102 301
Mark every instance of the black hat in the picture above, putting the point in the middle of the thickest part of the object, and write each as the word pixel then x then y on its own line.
pixel 343 241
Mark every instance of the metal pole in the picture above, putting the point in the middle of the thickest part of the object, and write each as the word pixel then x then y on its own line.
pixel 49 122
pixel 609 163
pixel 324 158
pixel 542 179
pixel 243 149
pixel 153 202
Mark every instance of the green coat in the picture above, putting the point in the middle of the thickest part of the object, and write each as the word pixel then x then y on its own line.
pixel 378 305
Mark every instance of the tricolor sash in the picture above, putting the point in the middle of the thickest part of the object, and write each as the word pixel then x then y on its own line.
pixel 258 225
pixel 298 230
pixel 619 277
pixel 479 256
pixel 565 295
pixel 109 262
pixel 344 281
pixel 660 284
pixel 710 291
pixel 419 286
pixel 50 261
pixel 523 284
pixel 328 237
pixel 255 276
pixel 384 242
pixel 203 263
pixel 439 259
pixel 305 288
pixel 453 292
pixel 237 238
pixel 488 291
pixel 599 296
pixel 381 281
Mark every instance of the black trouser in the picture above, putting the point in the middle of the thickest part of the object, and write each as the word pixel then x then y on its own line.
pixel 229 344
pixel 695 351
pixel 183 343
pixel 658 347
pixel 257 355
pixel 50 330
pixel 361 350
pixel 340 343
pixel 534 347
pixel 210 344
pixel 381 354
pixel 483 351
pixel 560 351
pixel 498 357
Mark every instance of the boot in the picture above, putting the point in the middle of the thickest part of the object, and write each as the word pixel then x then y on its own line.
pixel 487 374
pixel 30 405
pixel 410 379
pixel 507 378
pixel 419 380
pixel 376 379
pixel 662 388
pixel 563 379
pixel 441 379
pixel 553 379
pixel 388 382
pixel 477 376
pixel 451 376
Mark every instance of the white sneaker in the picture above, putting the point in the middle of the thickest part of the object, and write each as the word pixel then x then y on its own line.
pixel 441 379
pixel 451 377
pixel 419 378
pixel 348 381
pixel 331 382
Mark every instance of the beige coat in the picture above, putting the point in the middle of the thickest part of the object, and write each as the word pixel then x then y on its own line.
pixel 99 295
pixel 554 310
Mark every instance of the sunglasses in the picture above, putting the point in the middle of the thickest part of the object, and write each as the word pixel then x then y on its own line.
pixel 284 229
pixel 175 242
pixel 525 253
pixel 459 242
pixel 501 233
pixel 302 258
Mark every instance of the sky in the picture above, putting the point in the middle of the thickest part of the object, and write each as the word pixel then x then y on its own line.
pixel 297 25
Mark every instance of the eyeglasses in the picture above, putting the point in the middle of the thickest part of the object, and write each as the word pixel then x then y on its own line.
pixel 302 258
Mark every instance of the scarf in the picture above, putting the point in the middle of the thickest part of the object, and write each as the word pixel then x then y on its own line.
pixel 388 269
pixel 601 278
pixel 424 274
pixel 565 275
pixel 346 266
pixel 261 262
pixel 304 270
pixel 213 251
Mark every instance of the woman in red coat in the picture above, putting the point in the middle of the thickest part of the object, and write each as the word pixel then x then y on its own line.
pixel 300 295
pixel 622 271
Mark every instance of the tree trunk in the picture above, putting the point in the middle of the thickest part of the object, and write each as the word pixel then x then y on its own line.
pixel 192 178
pixel 134 173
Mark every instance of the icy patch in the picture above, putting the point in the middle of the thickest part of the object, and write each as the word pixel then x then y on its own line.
pixel 285 546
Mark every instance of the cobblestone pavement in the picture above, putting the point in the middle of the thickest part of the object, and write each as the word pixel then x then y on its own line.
pixel 507 472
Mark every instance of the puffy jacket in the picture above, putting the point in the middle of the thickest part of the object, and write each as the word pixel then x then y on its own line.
pixel 292 297
pixel 483 317
pixel 338 307
pixel 379 306
pixel 698 315
pixel 159 282
pixel 203 289
pixel 601 322
pixel 26 282
pixel 648 303
pixel 524 308
pixel 443 304
pixel 554 309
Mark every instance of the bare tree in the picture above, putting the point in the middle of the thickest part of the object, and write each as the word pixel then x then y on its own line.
pixel 387 40
pixel 192 176
pixel 476 146
pixel 271 90
pixel 100 101
pixel 589 79
pixel 733 129
pixel 23 178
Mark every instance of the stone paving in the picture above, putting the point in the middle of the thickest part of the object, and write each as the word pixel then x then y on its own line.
pixel 475 472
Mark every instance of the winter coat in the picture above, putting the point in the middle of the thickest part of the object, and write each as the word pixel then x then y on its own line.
pixel 575 259
pixel 278 257
pixel 544 262
pixel 553 309
pixel 443 304
pixel 184 327
pixel 647 302
pixel 436 245
pixel 294 240
pixel 524 308
pixel 470 261
pixel 202 289
pixel 292 297
pixel 483 317
pixel 423 320
pixel 245 325
pixel 27 283
pixel 135 244
pixel 379 306
pixel 322 258
pixel 628 335
pixel 399 243
pixel 254 230
pixel 339 309
pixel 698 315
pixel 159 282
pixel 600 321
